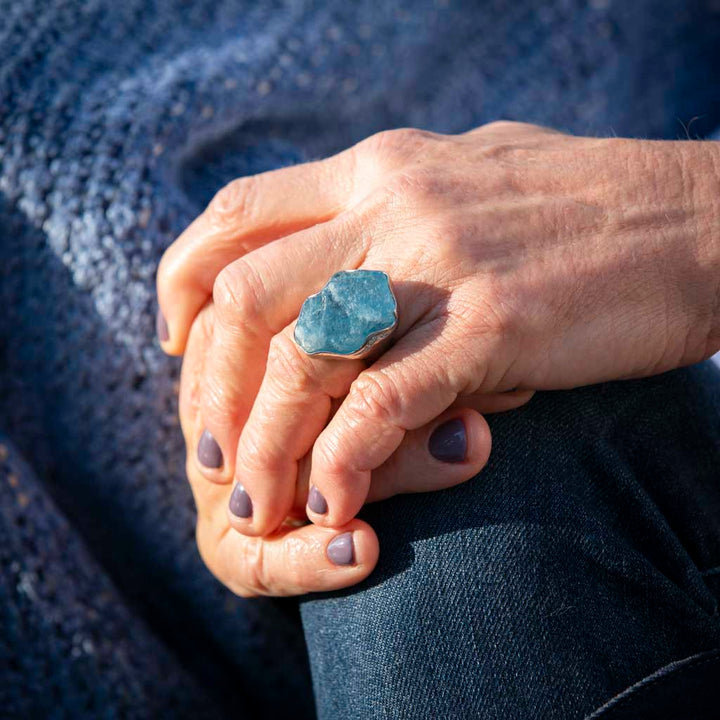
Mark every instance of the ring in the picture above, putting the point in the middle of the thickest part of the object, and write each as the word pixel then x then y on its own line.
pixel 349 317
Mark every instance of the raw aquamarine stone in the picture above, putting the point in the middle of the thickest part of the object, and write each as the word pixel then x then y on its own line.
pixel 355 310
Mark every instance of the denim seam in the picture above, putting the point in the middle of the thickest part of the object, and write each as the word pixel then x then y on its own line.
pixel 711 571
pixel 632 692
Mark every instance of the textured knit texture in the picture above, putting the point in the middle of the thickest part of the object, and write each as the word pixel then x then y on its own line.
pixel 118 121
pixel 84 653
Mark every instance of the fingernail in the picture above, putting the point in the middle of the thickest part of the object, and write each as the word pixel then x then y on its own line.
pixel 340 550
pixel 161 327
pixel 208 452
pixel 448 441
pixel 316 502
pixel 240 502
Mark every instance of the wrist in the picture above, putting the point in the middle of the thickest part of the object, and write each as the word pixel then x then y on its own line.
pixel 700 174
pixel 672 201
pixel 681 203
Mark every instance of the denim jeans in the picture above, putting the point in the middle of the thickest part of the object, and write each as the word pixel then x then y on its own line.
pixel 578 575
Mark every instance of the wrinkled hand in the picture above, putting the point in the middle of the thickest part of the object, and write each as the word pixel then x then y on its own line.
pixel 295 560
pixel 225 355
pixel 521 258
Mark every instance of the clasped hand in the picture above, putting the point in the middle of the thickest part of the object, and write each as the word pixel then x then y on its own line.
pixel 522 259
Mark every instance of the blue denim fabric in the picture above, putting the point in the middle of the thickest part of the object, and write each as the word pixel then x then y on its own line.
pixel 583 559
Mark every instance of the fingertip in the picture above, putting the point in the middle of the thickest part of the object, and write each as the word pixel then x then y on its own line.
pixel 353 548
pixel 296 560
pixel 162 332
pixel 316 501
pixel 460 437
pixel 241 512
pixel 479 438
pixel 179 301
pixel 161 327
pixel 319 519
pixel 255 519
pixel 209 459
pixel 341 549
pixel 336 500
pixel 328 559
pixel 171 335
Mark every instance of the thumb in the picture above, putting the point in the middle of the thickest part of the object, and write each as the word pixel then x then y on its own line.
pixel 294 560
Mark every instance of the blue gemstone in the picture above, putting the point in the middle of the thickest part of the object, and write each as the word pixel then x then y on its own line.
pixel 354 309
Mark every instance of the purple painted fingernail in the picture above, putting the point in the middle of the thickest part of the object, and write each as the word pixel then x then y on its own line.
pixel 448 441
pixel 240 502
pixel 340 550
pixel 161 327
pixel 316 502
pixel 208 452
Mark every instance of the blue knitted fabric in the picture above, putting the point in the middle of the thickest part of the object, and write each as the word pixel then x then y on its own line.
pixel 118 121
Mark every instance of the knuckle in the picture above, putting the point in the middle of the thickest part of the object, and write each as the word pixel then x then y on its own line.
pixel 506 166
pixel 294 568
pixel 243 573
pixel 258 454
pixel 174 271
pixel 375 397
pixel 394 146
pixel 218 408
pixel 513 127
pixel 251 563
pixel 235 201
pixel 327 458
pixel 501 126
pixel 236 294
pixel 288 366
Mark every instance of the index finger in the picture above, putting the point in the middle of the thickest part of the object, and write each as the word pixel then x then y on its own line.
pixel 245 214
pixel 291 561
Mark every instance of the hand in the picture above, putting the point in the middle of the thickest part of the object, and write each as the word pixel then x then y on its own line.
pixel 522 258
pixel 292 560
pixel 296 560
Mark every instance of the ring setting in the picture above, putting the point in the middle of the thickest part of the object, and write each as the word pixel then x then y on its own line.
pixel 353 313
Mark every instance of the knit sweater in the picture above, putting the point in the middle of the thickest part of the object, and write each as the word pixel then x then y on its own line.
pixel 118 121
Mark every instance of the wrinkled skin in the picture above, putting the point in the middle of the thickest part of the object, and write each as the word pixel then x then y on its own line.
pixel 523 259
